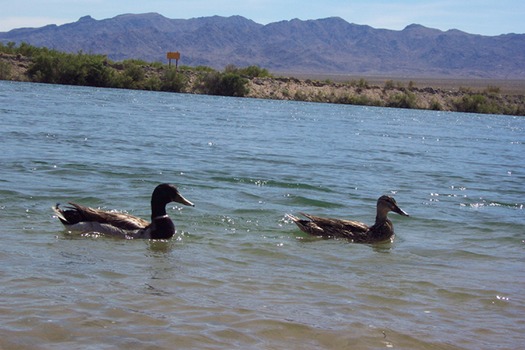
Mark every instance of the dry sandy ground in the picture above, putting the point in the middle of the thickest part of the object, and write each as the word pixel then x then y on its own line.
pixel 426 94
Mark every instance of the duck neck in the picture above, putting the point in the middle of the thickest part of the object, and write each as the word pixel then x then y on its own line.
pixel 381 216
pixel 157 209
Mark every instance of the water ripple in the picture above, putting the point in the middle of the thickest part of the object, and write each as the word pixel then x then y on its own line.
pixel 238 274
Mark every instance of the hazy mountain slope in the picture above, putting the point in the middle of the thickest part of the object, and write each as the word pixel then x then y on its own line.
pixel 329 45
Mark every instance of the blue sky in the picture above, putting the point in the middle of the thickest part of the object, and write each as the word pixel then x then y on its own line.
pixel 473 16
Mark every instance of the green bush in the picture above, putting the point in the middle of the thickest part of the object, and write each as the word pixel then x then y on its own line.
pixel 254 72
pixel 435 105
pixel 152 84
pixel 204 69
pixel 362 83
pixel 247 72
pixel 476 103
pixel 133 75
pixel 224 84
pixel 97 73
pixel 9 48
pixel 5 71
pixel 359 100
pixel 43 69
pixel 54 67
pixel 492 90
pixel 402 100
pixel 27 50
pixel 173 81
pixel 389 85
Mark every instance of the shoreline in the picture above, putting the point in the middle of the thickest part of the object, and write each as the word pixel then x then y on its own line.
pixel 507 86
pixel 460 95
pixel 445 95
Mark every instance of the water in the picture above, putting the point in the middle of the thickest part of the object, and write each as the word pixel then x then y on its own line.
pixel 238 274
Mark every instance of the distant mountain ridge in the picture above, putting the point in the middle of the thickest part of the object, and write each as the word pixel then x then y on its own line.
pixel 322 46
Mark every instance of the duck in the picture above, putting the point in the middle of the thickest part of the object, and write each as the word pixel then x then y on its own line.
pixel 76 217
pixel 381 231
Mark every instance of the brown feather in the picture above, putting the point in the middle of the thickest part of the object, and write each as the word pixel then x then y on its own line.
pixel 124 221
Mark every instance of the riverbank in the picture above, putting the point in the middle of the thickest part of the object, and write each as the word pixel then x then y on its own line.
pixel 464 97
pixel 502 97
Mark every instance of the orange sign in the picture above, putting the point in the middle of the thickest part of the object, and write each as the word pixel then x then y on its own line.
pixel 174 55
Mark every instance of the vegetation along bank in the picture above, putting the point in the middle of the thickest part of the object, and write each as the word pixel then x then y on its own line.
pixel 42 65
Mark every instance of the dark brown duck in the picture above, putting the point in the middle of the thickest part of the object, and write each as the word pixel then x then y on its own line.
pixel 77 217
pixel 382 230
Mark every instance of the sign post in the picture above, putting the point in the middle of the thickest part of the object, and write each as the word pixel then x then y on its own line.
pixel 173 56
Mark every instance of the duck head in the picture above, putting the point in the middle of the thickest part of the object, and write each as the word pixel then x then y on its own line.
pixel 167 193
pixel 386 204
pixel 164 194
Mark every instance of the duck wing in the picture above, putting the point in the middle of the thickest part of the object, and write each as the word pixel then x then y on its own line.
pixel 329 227
pixel 77 213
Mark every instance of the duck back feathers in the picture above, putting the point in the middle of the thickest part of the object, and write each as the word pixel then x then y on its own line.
pixel 76 213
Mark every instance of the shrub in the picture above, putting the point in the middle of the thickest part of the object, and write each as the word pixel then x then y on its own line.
pixel 231 68
pixel 152 84
pixel 254 72
pixel 135 72
pixel 27 50
pixel 435 105
pixel 121 81
pixel 8 48
pixel 5 71
pixel 130 74
pixel 476 103
pixel 54 67
pixel 97 73
pixel 224 84
pixel 402 100
pixel 359 100
pixel 389 85
pixel 233 85
pixel 492 90
pixel 173 81
pixel 248 72
pixel 300 96
pixel 362 83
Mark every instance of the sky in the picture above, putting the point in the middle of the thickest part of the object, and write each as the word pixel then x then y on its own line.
pixel 472 16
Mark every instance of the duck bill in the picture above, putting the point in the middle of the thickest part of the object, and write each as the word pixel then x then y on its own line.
pixel 400 211
pixel 182 200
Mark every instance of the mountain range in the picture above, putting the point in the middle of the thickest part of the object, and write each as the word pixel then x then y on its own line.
pixel 322 46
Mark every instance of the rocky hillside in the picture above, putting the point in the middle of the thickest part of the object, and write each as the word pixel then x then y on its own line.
pixel 324 46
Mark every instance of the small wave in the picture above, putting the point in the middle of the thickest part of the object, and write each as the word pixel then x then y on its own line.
pixel 305 201
pixel 269 183
pixel 479 205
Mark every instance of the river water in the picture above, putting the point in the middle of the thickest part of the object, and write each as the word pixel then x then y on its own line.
pixel 238 274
